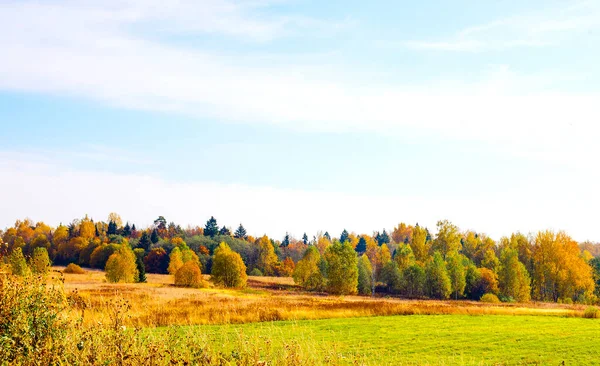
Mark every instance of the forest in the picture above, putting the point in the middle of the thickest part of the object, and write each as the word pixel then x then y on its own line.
pixel 408 261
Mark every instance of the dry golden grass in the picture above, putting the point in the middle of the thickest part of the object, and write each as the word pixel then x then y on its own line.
pixel 159 303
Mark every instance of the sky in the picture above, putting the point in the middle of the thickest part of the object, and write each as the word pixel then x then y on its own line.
pixel 302 116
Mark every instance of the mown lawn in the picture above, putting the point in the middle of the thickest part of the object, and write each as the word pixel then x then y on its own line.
pixel 424 339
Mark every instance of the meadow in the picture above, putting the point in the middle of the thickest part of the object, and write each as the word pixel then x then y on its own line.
pixel 273 320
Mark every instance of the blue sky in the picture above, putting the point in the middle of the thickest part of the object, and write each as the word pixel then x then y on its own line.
pixel 302 116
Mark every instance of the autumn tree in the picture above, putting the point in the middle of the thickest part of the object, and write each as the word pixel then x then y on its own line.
pixel 404 256
pixel 402 233
pixel 121 266
pixel 342 270
pixel 228 268
pixel 157 261
pixel 308 272
pixel 267 260
pixel 447 239
pixel 189 275
pixel 365 275
pixel 175 261
pixel 438 282
pixel 513 278
pixel 418 244
pixel 40 262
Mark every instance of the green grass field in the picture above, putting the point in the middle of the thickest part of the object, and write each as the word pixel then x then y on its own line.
pixel 427 339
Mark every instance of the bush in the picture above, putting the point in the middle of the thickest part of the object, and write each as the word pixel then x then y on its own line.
pixel 256 272
pixel 591 312
pixel 73 268
pixel 490 298
pixel 189 275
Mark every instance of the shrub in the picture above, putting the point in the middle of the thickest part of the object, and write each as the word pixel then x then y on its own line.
pixel 73 268
pixel 490 298
pixel 121 266
pixel 40 262
pixel 189 275
pixel 256 272
pixel 228 268
pixel 591 312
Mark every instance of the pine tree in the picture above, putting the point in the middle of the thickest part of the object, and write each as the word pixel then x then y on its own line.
pixel 211 229
pixel 139 253
pixel 327 235
pixel 286 240
pixel 361 247
pixel 145 241
pixel 240 233
pixel 344 236
pixel 305 239
pixel 154 237
pixel 126 230
pixel 133 229
pixel 224 231
pixel 112 228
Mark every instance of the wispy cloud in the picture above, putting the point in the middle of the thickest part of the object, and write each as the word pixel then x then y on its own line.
pixel 540 29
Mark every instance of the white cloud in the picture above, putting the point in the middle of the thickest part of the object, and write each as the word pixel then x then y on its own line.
pixel 544 28
pixel 50 192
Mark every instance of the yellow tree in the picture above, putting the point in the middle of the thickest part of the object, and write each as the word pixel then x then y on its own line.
pixel 267 259
pixel 308 272
pixel 418 244
pixel 402 233
pixel 447 239
pixel 87 229
pixel 228 268
pixel 342 270
pixel 175 261
pixel 121 266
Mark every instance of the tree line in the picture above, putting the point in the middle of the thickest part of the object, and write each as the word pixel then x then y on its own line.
pixel 408 261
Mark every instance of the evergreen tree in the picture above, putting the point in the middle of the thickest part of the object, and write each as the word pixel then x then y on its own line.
pixel 160 223
pixel 382 238
pixel 112 228
pixel 327 235
pixel 240 233
pixel 97 233
pixel 126 230
pixel 361 247
pixel 211 228
pixel 286 240
pixel 224 231
pixel 145 241
pixel 154 236
pixel 139 253
pixel 305 239
pixel 133 228
pixel 344 236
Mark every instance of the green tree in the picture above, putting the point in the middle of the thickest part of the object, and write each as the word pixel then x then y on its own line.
pixel 211 228
pixel 308 272
pixel 240 233
pixel 391 276
pixel 40 261
pixel 154 238
pixel 456 273
pixel 413 281
pixel 344 236
pixel 361 247
pixel 305 239
pixel 18 265
pixel 438 282
pixel 342 269
pixel 121 266
pixel 225 231
pixel 228 268
pixel 145 241
pixel 513 278
pixel 404 256
pixel 139 263
pixel 365 275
